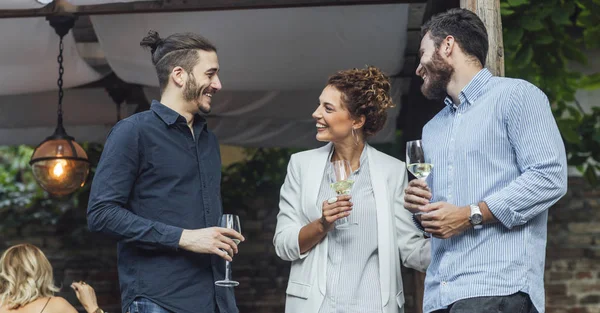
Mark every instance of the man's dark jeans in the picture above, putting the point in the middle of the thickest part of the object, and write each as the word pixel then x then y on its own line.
pixel 143 305
pixel 515 303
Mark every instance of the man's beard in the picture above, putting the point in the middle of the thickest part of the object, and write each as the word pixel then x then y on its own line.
pixel 193 93
pixel 438 73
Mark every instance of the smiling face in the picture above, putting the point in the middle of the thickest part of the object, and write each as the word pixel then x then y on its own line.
pixel 333 121
pixel 203 82
pixel 434 69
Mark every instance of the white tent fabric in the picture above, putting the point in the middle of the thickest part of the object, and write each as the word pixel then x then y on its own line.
pixel 88 115
pixel 33 4
pixel 19 4
pixel 266 49
pixel 92 2
pixel 274 64
pixel 28 58
pixel 275 118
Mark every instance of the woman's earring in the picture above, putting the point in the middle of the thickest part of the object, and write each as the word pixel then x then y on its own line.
pixel 355 136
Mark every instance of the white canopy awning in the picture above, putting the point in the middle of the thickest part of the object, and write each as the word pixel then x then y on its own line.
pixel 34 4
pixel 274 64
pixel 266 49
pixel 28 58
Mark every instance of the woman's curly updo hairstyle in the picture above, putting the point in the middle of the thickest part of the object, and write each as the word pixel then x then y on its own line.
pixel 364 92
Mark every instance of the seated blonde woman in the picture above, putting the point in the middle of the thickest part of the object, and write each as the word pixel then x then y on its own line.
pixel 27 284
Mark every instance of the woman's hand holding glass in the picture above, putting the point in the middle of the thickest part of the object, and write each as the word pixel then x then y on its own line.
pixel 334 210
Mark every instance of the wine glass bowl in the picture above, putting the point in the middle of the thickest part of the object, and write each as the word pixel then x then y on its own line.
pixel 415 160
pixel 343 185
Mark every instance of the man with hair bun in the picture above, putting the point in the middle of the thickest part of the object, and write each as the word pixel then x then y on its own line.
pixel 157 189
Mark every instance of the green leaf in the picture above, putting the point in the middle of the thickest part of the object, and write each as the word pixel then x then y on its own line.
pixel 584 18
pixel 506 12
pixel 561 17
pixel 590 82
pixel 524 56
pixel 574 112
pixel 568 131
pixel 578 160
pixel 516 3
pixel 531 23
pixel 590 175
pixel 512 37
pixel 596 137
pixel 574 54
pixel 591 35
pixel 543 39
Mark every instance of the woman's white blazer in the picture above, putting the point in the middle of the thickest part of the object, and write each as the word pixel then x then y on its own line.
pixel 398 238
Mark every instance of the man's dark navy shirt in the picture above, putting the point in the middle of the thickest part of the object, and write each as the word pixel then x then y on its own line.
pixel 155 179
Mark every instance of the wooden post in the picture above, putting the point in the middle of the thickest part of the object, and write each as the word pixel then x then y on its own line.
pixel 489 12
pixel 420 290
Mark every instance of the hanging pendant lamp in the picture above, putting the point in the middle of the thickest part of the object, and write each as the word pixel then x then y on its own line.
pixel 59 164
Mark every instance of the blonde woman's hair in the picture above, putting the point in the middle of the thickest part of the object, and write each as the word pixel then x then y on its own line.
pixel 25 275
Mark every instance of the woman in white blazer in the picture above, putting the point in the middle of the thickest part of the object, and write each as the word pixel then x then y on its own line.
pixel 355 269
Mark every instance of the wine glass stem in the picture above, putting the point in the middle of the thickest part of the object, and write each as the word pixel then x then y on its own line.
pixel 227 270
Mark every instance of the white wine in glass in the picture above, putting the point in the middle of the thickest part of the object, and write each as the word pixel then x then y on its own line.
pixel 343 185
pixel 420 170
pixel 233 222
pixel 415 160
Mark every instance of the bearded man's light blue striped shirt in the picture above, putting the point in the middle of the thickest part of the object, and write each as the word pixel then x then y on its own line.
pixel 500 145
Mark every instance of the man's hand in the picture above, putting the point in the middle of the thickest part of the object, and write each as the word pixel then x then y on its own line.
pixel 215 240
pixel 417 194
pixel 444 220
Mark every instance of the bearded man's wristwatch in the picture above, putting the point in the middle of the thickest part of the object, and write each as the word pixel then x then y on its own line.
pixel 476 217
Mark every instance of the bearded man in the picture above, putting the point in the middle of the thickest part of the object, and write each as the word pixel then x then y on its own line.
pixel 498 162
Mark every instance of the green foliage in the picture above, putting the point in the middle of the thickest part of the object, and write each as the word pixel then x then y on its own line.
pixel 261 174
pixel 393 148
pixel 24 203
pixel 541 38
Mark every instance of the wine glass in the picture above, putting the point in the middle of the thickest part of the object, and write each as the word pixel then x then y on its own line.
pixel 342 186
pixel 233 222
pixel 415 161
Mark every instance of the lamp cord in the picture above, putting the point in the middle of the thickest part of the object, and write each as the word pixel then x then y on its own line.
pixel 59 82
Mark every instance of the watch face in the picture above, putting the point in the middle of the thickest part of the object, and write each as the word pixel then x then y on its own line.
pixel 476 219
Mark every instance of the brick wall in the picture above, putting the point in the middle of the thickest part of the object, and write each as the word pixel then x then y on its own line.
pixel 572 267
pixel 573 251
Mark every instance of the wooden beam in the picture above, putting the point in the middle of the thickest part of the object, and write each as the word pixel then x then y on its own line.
pixel 489 12
pixel 413 42
pixel 416 12
pixel 157 6
pixel 416 110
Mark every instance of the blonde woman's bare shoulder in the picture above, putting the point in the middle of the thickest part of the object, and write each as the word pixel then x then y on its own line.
pixel 59 305
pixel 55 305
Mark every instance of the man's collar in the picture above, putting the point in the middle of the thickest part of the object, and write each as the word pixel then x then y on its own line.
pixel 171 117
pixel 472 91
pixel 166 114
